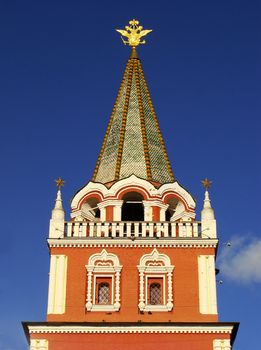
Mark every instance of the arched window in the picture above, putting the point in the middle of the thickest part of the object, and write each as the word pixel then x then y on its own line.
pixel 155 285
pixel 104 293
pixel 155 293
pixel 132 208
pixel 170 212
pixel 90 210
pixel 103 282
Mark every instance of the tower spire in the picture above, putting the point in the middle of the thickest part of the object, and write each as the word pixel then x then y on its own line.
pixel 57 219
pixel 58 211
pixel 133 143
pixel 207 213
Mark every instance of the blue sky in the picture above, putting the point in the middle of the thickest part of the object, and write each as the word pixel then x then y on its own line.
pixel 61 64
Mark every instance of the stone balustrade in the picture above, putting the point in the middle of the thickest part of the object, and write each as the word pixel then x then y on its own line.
pixel 132 229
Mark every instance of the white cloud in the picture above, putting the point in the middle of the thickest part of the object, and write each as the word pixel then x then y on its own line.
pixel 241 262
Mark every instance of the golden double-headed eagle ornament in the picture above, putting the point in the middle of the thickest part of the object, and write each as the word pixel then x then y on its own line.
pixel 134 32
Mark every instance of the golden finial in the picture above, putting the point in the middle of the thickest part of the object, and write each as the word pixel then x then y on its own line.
pixel 206 183
pixel 134 32
pixel 59 182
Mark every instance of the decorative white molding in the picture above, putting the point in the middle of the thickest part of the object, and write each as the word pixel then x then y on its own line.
pixel 154 256
pixel 109 265
pixel 104 308
pixel 103 256
pixel 221 344
pixel 193 329
pixel 207 284
pixel 155 264
pixel 181 213
pixel 110 202
pixel 176 188
pixel 149 191
pixel 39 344
pixel 138 243
pixel 57 284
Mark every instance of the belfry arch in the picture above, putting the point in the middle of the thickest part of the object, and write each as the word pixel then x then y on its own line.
pixel 132 207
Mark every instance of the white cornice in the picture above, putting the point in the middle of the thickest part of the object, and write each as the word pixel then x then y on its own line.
pixel 130 329
pixel 129 243
pixel 150 191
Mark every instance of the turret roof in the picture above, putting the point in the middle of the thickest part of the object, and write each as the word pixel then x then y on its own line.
pixel 133 143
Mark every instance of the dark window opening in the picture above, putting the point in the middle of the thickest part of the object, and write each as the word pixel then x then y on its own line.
pixel 97 213
pixel 132 208
pixel 103 290
pixel 155 294
pixel 104 293
pixel 172 202
pixel 168 215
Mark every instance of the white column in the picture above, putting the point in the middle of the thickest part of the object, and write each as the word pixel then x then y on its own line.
pixel 117 210
pixel 147 210
pixel 142 297
pixel 221 344
pixel 116 204
pixel 163 208
pixel 170 292
pixel 39 344
pixel 207 284
pixel 57 284
pixel 117 287
pixel 101 206
pixel 89 290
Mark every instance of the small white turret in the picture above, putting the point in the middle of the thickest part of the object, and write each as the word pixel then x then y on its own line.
pixel 208 222
pixel 56 229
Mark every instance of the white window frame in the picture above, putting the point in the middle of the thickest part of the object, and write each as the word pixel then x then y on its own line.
pixel 103 264
pixel 155 265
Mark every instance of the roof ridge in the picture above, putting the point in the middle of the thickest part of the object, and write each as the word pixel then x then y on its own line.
pixel 133 143
pixel 157 123
pixel 142 122
pixel 110 123
pixel 124 120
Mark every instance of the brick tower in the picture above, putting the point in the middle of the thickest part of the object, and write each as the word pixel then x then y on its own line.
pixel 132 268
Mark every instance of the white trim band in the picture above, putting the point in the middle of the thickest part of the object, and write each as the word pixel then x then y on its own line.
pixel 128 243
pixel 130 329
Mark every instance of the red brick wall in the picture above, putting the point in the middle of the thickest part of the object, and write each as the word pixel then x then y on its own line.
pixel 185 286
pixel 130 341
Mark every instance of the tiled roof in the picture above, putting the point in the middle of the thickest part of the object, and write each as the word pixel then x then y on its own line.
pixel 133 143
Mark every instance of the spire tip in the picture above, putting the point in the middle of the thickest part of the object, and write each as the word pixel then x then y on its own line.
pixel 206 183
pixel 134 32
pixel 59 182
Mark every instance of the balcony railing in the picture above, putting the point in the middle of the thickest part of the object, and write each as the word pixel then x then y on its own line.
pixel 132 229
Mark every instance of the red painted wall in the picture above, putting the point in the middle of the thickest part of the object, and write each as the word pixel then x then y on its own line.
pixel 185 286
pixel 131 341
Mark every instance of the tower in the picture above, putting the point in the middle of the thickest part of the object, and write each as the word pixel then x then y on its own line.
pixel 132 268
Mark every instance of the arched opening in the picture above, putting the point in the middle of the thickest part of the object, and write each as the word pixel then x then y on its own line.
pixel 172 202
pixel 90 209
pixel 132 208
